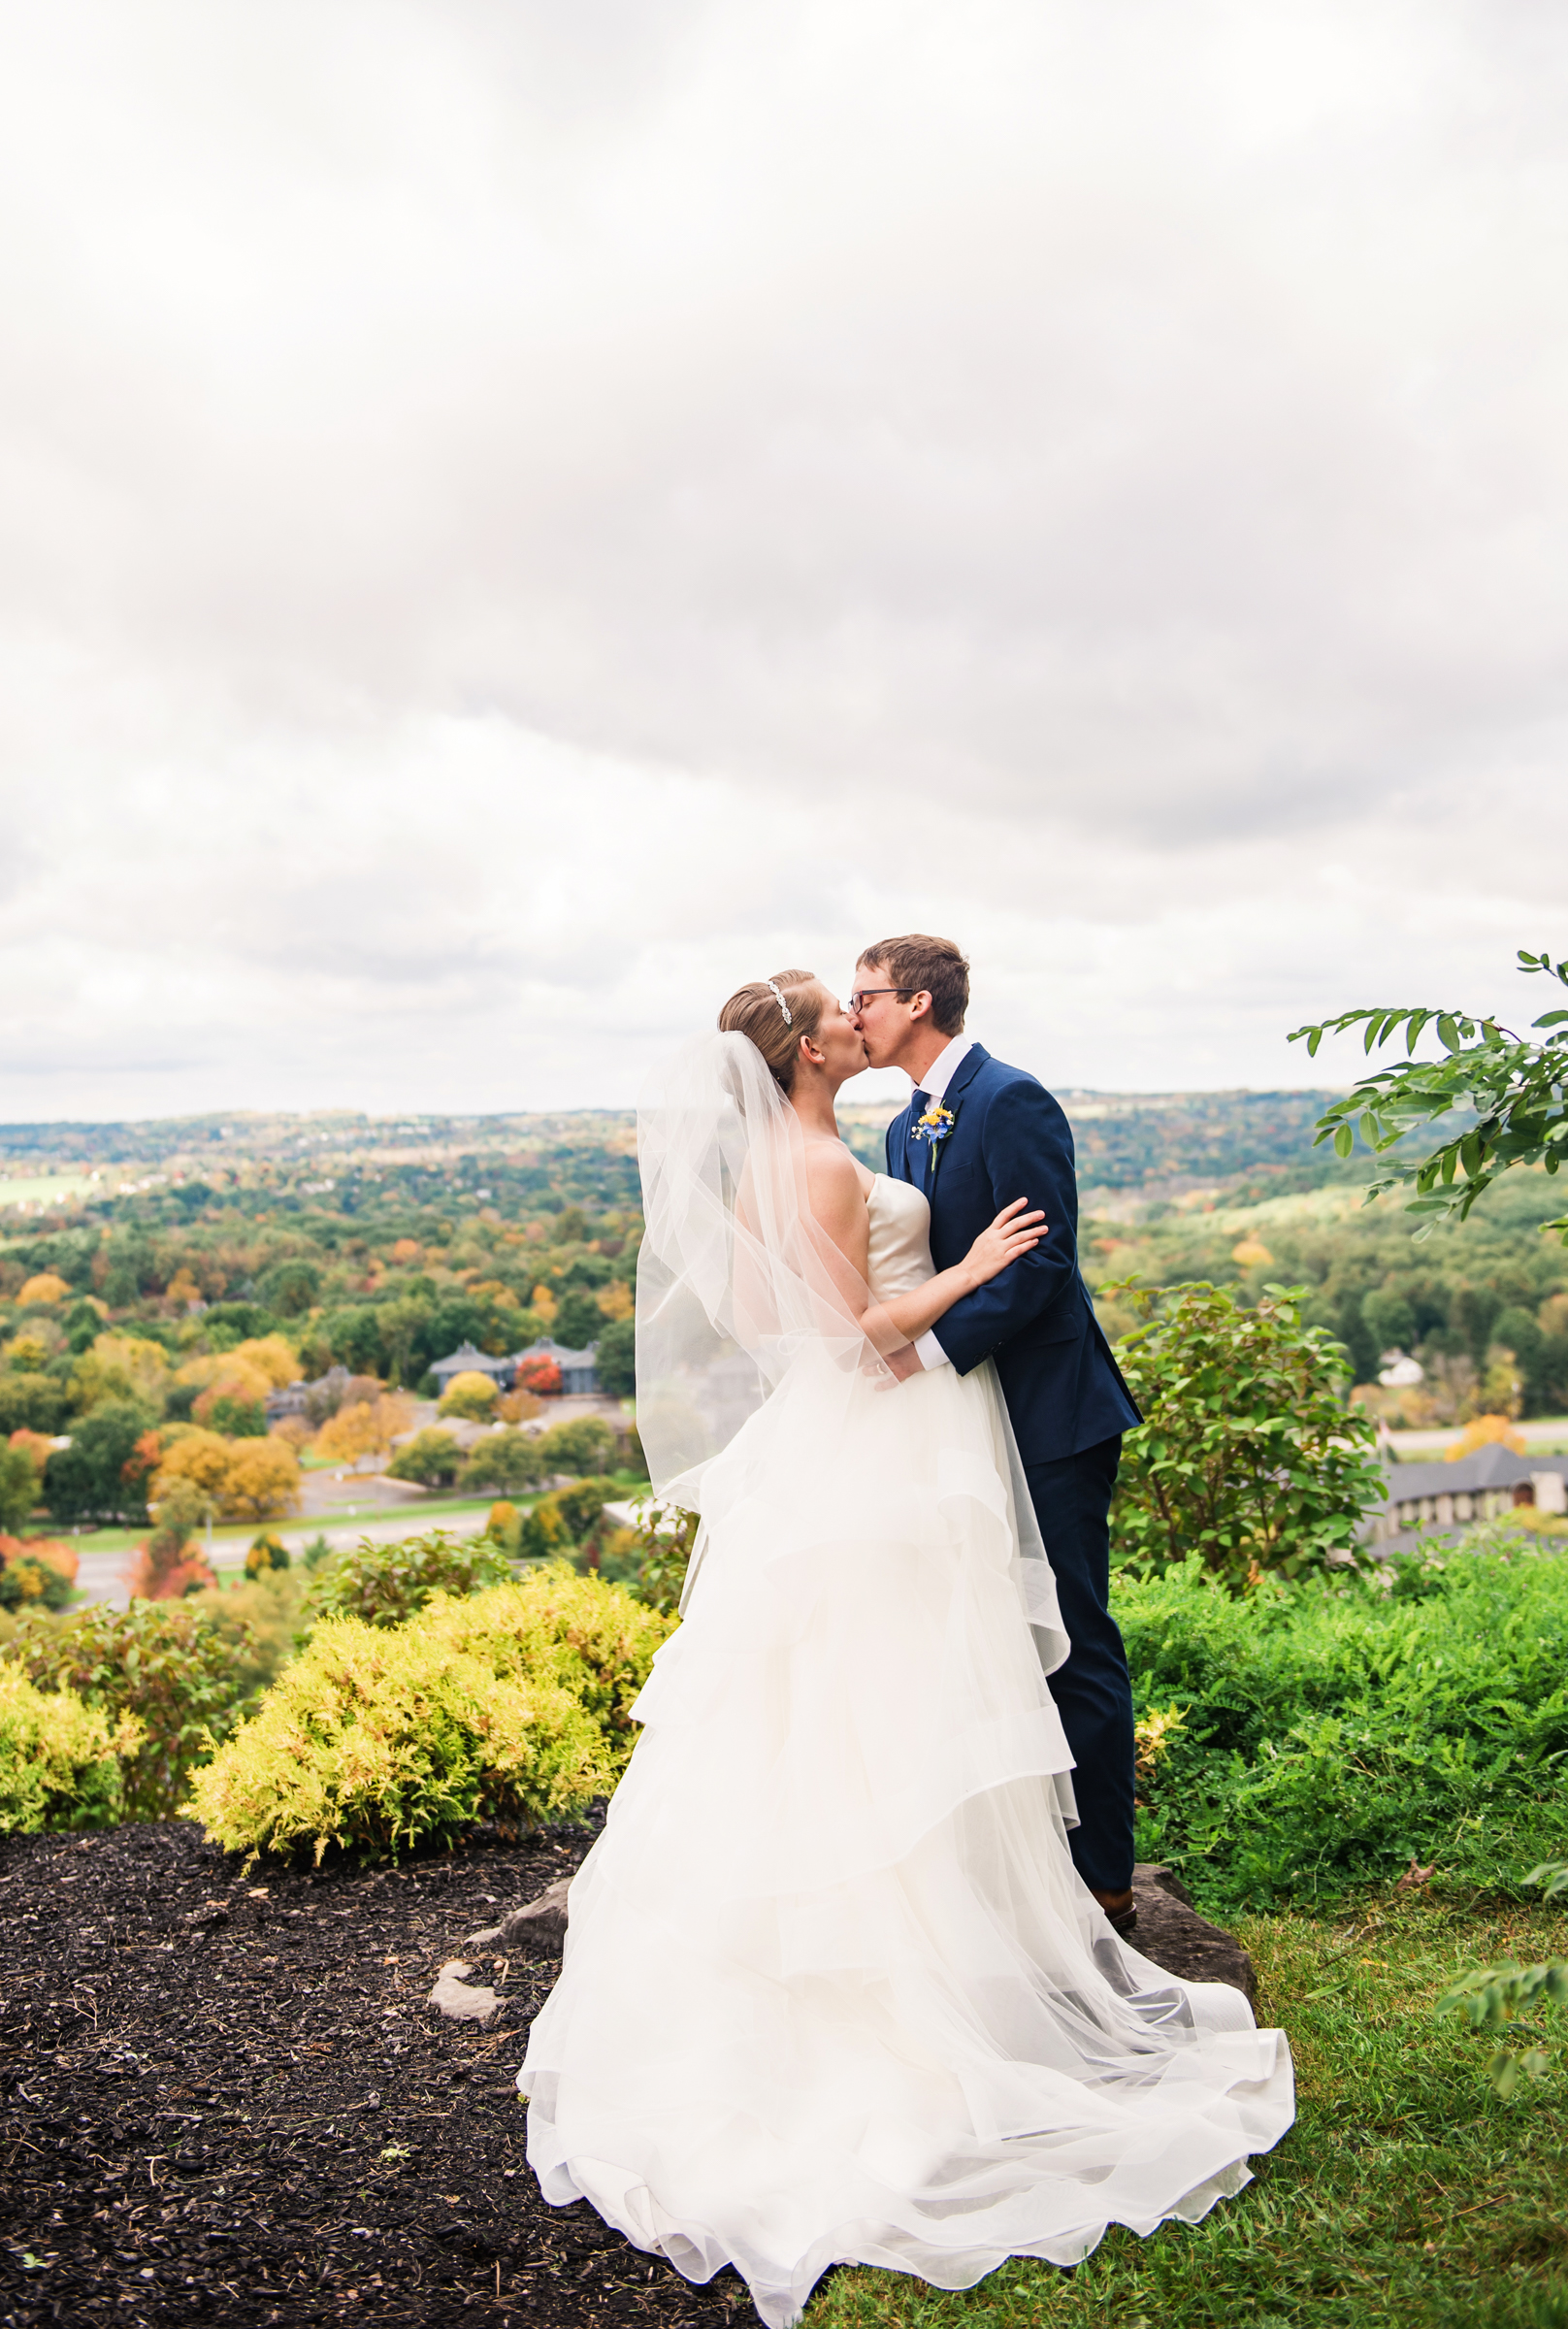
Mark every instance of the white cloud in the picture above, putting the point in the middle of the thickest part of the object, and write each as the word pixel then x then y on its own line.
pixel 518 519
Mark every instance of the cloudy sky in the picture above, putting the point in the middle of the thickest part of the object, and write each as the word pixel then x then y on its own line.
pixel 516 515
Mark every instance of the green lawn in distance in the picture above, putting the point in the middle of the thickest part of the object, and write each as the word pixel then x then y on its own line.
pixel 1406 2196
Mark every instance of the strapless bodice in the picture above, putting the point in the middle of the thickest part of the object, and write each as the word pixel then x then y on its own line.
pixel 901 1238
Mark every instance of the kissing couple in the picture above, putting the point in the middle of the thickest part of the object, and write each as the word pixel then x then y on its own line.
pixel 847 1974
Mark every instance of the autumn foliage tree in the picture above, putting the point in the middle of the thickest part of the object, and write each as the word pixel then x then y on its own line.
pixel 366 1428
pixel 471 1396
pixel 243 1479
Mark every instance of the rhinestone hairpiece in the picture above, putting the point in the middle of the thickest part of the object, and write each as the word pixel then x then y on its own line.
pixel 782 1004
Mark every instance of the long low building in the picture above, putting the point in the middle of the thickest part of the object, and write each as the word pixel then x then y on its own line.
pixel 1472 1487
pixel 579 1372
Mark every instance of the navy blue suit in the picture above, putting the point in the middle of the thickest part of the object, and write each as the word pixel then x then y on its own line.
pixel 1064 1395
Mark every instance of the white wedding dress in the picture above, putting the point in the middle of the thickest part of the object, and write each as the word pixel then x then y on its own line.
pixel 833 1990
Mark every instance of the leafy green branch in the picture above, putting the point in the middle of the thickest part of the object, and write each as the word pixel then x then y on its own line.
pixel 1513 1084
pixel 1498 1997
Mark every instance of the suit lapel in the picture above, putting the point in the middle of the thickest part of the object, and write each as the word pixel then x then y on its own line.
pixel 898 1144
pixel 963 1075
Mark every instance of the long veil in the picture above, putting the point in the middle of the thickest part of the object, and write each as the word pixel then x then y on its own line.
pixel 737 1283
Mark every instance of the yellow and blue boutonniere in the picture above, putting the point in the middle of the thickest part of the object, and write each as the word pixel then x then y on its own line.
pixel 934 1128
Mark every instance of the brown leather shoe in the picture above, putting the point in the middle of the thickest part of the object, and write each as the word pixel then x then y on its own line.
pixel 1121 1912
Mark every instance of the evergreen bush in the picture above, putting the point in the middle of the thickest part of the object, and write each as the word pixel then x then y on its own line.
pixel 161 1662
pixel 386 1737
pixel 59 1760
pixel 512 1704
pixel 593 1638
pixel 1332 1732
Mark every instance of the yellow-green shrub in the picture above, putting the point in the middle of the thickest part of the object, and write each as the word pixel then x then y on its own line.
pixel 590 1637
pixel 509 1704
pixel 386 1736
pixel 59 1760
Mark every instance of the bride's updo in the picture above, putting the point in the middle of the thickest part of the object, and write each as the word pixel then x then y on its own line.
pixel 754 1012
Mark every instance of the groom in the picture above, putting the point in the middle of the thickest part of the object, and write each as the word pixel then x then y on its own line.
pixel 993 1134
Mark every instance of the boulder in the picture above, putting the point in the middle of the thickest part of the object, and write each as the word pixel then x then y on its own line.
pixel 537 1929
pixel 457 2000
pixel 1171 1933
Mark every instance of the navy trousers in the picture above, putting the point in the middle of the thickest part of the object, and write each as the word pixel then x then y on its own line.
pixel 1073 1502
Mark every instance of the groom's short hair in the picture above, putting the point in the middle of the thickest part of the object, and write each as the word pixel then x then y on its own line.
pixel 933 966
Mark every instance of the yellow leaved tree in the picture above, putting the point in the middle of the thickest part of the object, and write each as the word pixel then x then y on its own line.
pixel 364 1428
pixel 46 1286
pixel 239 1478
pixel 121 1367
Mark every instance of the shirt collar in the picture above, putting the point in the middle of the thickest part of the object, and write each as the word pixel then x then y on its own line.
pixel 942 1069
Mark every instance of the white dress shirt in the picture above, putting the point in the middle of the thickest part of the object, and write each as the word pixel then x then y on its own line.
pixel 933 1083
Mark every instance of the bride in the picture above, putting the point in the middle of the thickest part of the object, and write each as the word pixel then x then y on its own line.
pixel 833 1990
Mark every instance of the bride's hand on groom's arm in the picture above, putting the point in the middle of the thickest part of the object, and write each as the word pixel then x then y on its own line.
pixel 1013 1233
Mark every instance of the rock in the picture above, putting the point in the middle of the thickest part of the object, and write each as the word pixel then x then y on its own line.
pixel 537 1929
pixel 1171 1933
pixel 456 2000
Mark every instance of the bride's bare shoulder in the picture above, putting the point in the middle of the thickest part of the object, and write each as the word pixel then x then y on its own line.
pixel 835 1176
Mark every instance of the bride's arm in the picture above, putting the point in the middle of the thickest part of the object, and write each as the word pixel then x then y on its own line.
pixel 839 1209
pixel 1013 1232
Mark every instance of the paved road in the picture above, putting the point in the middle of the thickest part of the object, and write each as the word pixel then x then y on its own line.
pixel 101 1576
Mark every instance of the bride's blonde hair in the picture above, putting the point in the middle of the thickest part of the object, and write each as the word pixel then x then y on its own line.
pixel 758 1012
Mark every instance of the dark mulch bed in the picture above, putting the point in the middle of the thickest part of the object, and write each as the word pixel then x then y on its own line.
pixel 259 2121
pixel 225 2098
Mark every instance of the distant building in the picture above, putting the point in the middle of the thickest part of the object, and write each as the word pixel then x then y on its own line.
pixel 579 1371
pixel 579 1368
pixel 467 1360
pixel 290 1400
pixel 1474 1487
pixel 1399 1372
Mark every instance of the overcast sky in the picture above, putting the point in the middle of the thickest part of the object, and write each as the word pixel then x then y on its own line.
pixel 515 518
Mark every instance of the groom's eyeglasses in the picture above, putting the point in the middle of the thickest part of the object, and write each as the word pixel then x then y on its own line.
pixel 858 1002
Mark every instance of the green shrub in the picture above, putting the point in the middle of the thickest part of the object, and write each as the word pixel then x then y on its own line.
pixel 567 1519
pixel 543 1533
pixel 431 1458
pixel 159 1661
pixel 1332 1732
pixel 665 1552
pixel 31 1579
pixel 59 1760
pixel 507 1461
pixel 1247 1456
pixel 267 1553
pixel 582 1446
pixel 262 1620
pixel 388 1737
pixel 387 1583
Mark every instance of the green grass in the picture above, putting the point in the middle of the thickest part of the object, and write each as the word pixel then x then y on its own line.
pixel 1406 2196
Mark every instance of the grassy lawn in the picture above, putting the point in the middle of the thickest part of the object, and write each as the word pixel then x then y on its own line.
pixel 1405 2194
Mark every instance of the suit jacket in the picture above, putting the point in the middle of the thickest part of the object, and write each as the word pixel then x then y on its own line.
pixel 1064 1389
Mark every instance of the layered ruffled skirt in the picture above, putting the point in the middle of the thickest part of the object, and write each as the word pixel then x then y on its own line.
pixel 832 1991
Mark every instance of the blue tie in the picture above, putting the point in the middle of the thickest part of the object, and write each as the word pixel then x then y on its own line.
pixel 919 1102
